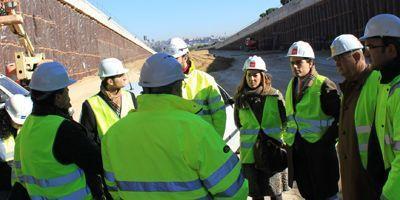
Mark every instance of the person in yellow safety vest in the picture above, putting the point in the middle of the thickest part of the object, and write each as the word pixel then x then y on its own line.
pixel 259 109
pixel 17 108
pixel 162 150
pixel 312 109
pixel 199 86
pixel 54 156
pixel 382 40
pixel 359 151
pixel 102 110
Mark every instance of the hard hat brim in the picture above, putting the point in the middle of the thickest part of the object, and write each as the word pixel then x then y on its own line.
pixel 363 38
pixel 124 71
pixel 17 120
pixel 181 53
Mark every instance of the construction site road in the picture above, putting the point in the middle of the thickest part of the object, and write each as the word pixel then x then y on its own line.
pixel 277 65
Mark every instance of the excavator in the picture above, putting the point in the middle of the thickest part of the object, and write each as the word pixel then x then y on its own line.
pixel 25 61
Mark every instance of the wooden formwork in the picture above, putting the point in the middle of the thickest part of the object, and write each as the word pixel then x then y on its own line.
pixel 320 23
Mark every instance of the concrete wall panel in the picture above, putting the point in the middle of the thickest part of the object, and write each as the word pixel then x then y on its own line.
pixel 69 33
pixel 315 21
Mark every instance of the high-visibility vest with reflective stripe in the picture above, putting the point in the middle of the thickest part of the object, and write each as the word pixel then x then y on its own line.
pixel 173 154
pixel 202 88
pixel 387 124
pixel 270 125
pixel 105 115
pixel 309 119
pixel 7 149
pixel 37 168
pixel 365 113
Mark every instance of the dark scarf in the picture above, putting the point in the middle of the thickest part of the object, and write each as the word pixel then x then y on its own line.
pixel 250 95
pixel 390 71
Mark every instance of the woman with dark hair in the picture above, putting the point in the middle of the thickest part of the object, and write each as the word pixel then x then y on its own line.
pixel 260 116
pixel 17 108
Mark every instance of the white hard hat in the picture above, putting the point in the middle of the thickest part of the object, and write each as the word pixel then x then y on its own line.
pixel 111 67
pixel 255 62
pixel 159 70
pixel 301 49
pixel 18 107
pixel 50 76
pixel 176 47
pixel 382 25
pixel 345 43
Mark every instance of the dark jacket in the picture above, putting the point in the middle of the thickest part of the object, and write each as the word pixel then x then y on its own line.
pixel 357 182
pixel 314 166
pixel 72 145
pixel 6 131
pixel 256 103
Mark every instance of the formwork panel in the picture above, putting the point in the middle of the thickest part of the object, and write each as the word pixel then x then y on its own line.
pixel 321 22
pixel 68 36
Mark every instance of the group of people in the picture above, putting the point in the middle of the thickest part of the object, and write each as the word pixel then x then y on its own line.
pixel 313 118
pixel 167 142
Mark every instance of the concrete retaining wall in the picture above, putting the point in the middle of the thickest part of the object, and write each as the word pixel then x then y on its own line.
pixel 315 21
pixel 74 33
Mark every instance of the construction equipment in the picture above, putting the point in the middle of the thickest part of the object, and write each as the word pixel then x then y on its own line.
pixel 251 44
pixel 26 61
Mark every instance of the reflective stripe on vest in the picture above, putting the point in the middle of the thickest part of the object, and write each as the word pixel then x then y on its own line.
pixel 52 182
pixel 208 101
pixel 394 144
pixel 309 119
pixel 202 89
pixel 79 194
pixel 212 111
pixel 364 114
pixel 209 182
pixel 7 148
pixel 40 173
pixel 270 125
pixel 105 115
pixel 393 88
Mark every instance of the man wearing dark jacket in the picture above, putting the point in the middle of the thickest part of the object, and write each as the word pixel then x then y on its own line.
pixel 312 108
pixel 54 156
pixel 102 110
pixel 359 151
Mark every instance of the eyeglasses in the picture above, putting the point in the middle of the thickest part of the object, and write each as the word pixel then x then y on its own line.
pixel 369 47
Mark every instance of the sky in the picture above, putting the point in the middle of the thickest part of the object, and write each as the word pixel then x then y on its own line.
pixel 163 19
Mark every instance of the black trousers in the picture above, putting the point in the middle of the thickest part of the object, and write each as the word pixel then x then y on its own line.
pixel 316 168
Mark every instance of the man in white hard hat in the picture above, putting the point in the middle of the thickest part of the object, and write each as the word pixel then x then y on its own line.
pixel 199 86
pixel 382 40
pixel 312 109
pixel 102 110
pixel 55 157
pixel 17 108
pixel 357 133
pixel 163 150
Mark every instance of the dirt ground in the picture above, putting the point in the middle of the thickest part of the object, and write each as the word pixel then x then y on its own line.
pixel 226 68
